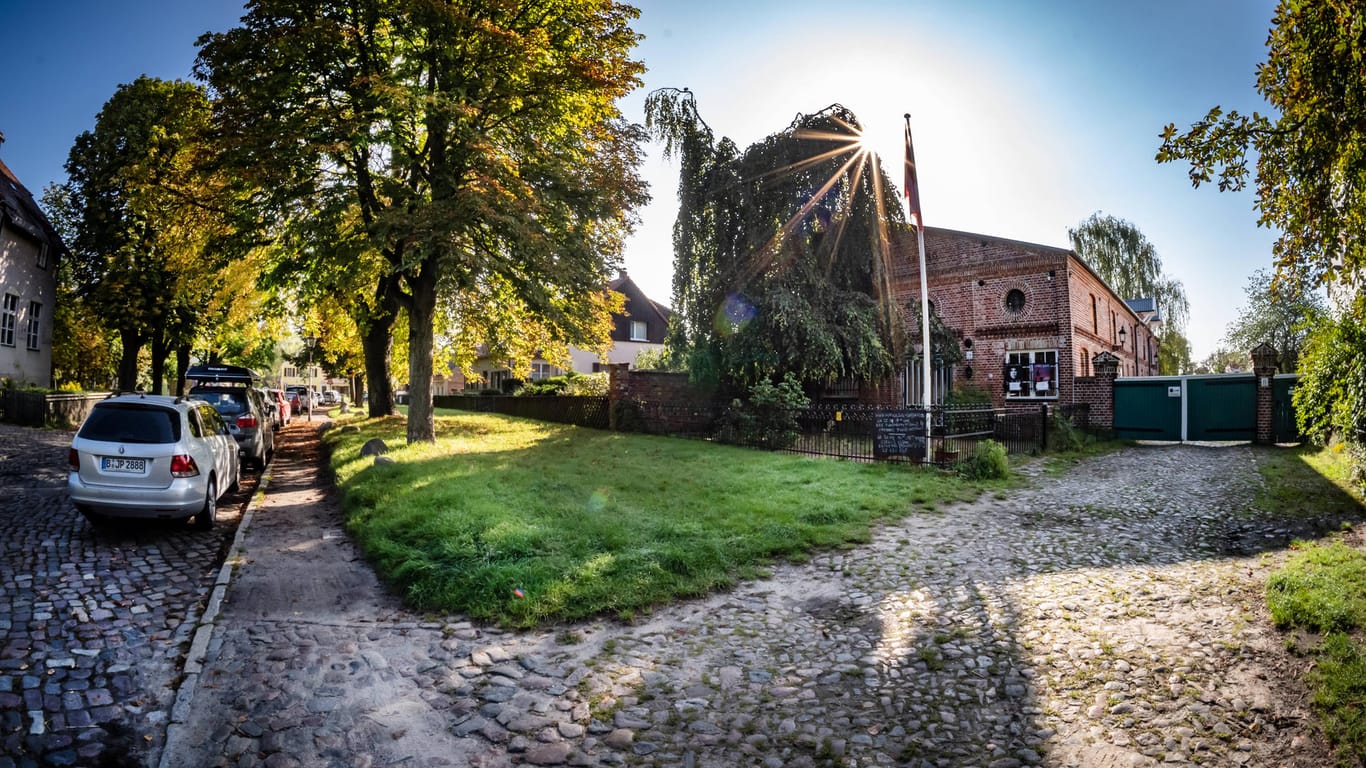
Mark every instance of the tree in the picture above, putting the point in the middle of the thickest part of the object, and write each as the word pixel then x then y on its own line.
pixel 477 142
pixel 1128 262
pixel 1310 167
pixel 1225 361
pixel 1280 318
pixel 85 351
pixel 1330 398
pixel 142 231
pixel 779 252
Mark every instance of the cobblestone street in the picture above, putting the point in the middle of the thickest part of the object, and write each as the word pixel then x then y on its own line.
pixel 1111 616
pixel 94 621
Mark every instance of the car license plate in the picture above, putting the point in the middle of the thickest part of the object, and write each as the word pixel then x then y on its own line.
pixel 126 466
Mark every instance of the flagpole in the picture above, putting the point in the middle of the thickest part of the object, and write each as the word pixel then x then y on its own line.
pixel 927 346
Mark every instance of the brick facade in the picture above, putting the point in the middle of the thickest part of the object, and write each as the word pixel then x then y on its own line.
pixel 971 281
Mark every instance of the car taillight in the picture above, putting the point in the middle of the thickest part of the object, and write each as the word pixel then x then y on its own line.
pixel 73 458
pixel 183 466
pixel 246 422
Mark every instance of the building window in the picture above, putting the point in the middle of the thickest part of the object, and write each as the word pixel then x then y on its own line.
pixel 1015 301
pixel 9 317
pixel 289 372
pixel 1031 375
pixel 42 256
pixel 1085 363
pixel 1095 322
pixel 35 312
pixel 638 331
pixel 541 371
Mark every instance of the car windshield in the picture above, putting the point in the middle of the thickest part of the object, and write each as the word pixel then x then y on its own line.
pixel 131 423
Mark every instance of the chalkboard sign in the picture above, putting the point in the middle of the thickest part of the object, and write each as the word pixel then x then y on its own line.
pixel 898 433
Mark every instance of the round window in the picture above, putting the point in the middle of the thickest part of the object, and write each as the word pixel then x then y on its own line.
pixel 1015 301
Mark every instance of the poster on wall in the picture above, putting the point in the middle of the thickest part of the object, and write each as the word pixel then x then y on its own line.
pixel 1016 378
pixel 1043 377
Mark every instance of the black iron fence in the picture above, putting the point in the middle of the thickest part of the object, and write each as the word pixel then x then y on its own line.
pixel 847 431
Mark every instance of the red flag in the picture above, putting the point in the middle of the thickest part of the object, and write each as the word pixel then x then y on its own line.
pixel 912 188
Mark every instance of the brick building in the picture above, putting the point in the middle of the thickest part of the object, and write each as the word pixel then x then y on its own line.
pixel 1030 318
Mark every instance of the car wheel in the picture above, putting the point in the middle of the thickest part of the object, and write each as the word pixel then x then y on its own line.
pixel 205 519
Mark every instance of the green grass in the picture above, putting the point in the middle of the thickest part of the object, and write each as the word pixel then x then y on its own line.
pixel 1307 481
pixel 586 523
pixel 1321 587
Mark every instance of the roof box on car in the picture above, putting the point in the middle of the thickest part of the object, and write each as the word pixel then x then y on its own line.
pixel 233 373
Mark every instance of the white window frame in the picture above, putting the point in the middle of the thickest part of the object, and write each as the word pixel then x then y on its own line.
pixel 540 371
pixel 9 318
pixel 35 312
pixel 42 256
pixel 1029 390
pixel 639 331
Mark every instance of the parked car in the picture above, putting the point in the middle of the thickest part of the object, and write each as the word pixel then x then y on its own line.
pixel 152 456
pixel 229 389
pixel 331 397
pixel 282 406
pixel 299 400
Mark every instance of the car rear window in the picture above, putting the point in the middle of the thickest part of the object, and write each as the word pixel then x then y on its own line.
pixel 228 402
pixel 131 423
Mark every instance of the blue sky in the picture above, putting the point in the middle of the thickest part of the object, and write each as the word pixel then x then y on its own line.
pixel 1028 115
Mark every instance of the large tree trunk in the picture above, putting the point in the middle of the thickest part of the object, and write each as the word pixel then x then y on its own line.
pixel 377 342
pixel 131 342
pixel 159 354
pixel 421 333
pixel 182 364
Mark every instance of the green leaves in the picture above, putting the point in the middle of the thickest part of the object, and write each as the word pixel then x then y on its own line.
pixel 778 266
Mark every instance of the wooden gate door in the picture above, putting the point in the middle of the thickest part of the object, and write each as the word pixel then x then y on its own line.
pixel 1148 408
pixel 1284 427
pixel 1220 408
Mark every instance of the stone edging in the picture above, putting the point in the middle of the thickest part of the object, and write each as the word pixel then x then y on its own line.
pixel 199 647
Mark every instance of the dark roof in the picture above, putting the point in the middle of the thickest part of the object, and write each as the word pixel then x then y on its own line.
pixel 626 286
pixel 1148 304
pixel 19 210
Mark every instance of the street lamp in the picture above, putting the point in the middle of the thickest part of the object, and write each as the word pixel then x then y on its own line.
pixel 309 343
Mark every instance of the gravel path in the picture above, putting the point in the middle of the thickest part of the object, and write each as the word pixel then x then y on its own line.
pixel 1111 616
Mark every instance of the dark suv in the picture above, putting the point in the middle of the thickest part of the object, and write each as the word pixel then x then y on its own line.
pixel 231 390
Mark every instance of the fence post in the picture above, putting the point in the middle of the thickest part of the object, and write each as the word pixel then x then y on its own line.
pixel 1043 427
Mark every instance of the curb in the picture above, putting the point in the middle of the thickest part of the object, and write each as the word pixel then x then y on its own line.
pixel 203 635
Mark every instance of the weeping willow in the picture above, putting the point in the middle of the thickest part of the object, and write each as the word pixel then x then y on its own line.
pixel 781 257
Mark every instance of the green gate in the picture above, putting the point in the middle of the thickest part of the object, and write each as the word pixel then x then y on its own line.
pixel 1221 408
pixel 1148 408
pixel 1283 425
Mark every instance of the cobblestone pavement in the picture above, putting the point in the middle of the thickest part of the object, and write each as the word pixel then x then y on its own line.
pixel 93 621
pixel 1108 617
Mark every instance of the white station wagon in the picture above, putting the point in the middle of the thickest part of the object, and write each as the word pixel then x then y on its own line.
pixel 152 456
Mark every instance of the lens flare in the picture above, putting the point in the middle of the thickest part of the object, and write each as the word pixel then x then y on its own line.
pixel 734 314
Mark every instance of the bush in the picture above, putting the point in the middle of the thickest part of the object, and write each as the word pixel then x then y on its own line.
pixel 768 418
pixel 572 384
pixel 988 462
pixel 968 394
pixel 1066 436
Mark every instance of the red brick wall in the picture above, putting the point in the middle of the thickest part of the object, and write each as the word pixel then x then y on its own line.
pixel 969 278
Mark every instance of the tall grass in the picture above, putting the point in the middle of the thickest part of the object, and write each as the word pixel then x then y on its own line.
pixel 521 522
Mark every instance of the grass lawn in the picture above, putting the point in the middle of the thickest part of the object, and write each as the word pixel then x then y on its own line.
pixel 1321 589
pixel 522 522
